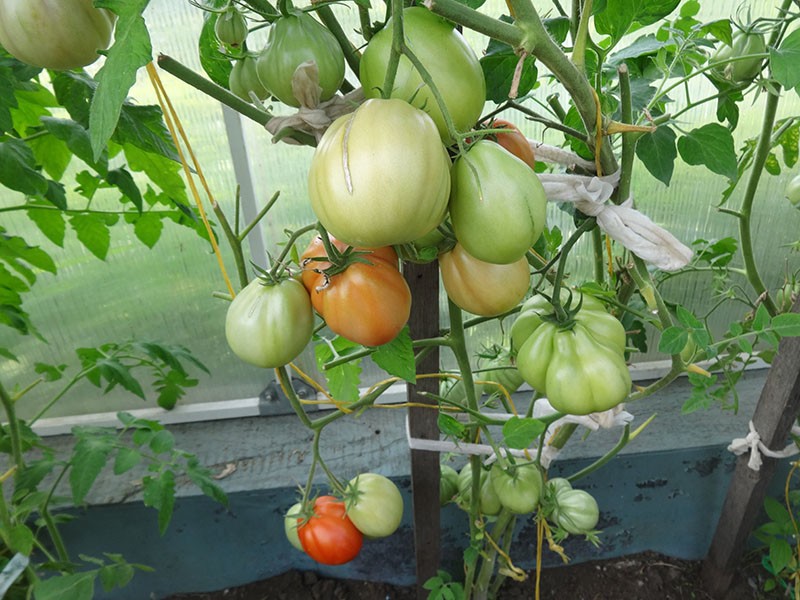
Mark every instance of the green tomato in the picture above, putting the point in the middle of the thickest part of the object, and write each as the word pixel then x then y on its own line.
pixel 792 191
pixel 786 295
pixel 556 485
pixel 293 40
pixel 576 511
pixel 231 27
pixel 519 491
pixel 55 34
pixel 488 502
pixel 269 325
pixel 290 522
pixel 497 204
pixel 374 505
pixel 580 368
pixel 448 484
pixel 448 58
pixel 371 190
pixel 743 44
pixel 244 79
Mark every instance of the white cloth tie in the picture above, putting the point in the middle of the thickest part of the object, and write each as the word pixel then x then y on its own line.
pixel 753 444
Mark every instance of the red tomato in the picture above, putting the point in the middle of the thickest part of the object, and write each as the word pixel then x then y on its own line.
pixel 514 141
pixel 366 303
pixel 329 536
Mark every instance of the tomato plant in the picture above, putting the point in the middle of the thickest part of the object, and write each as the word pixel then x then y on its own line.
pixel 488 500
pixel 451 62
pixel 497 204
pixel 268 325
pixel 244 79
pixel 518 488
pixel 368 302
pixel 231 27
pixel 514 141
pixel 55 34
pixel 328 535
pixel 372 192
pixel 579 365
pixel 483 288
pixel 374 504
pixel 743 44
pixel 294 39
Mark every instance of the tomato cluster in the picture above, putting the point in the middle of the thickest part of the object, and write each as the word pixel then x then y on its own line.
pixel 333 531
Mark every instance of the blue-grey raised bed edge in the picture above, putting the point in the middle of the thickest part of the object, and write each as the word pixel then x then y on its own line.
pixel 665 501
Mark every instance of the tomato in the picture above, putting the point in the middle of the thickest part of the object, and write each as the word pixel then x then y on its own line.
pixel 581 367
pixel 518 488
pixel 380 175
pixel 447 57
pixel 497 204
pixel 741 71
pixel 231 27
pixel 792 191
pixel 489 502
pixel 514 141
pixel 55 34
pixel 448 484
pixel 366 303
pixel 557 484
pixel 290 523
pixel 374 505
pixel 787 295
pixel 269 325
pixel 329 536
pixel 576 511
pixel 244 79
pixel 293 40
pixel 483 288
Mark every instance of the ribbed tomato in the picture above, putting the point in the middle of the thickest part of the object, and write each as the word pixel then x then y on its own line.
pixel 329 536
pixel 369 302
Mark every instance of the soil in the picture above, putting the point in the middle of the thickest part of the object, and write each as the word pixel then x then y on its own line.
pixel 645 576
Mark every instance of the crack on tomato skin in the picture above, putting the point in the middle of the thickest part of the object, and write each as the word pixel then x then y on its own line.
pixel 348 179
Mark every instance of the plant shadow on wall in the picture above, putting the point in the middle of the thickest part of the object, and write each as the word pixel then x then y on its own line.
pixel 67 180
pixel 480 193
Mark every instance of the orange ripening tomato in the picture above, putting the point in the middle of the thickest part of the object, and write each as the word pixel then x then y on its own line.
pixel 329 536
pixel 367 303
pixel 514 141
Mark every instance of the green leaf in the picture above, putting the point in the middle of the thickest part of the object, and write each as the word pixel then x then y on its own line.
pixel 123 180
pixel 450 426
pixel 159 493
pixel 787 324
pixel 126 459
pixel 761 319
pixel 643 46
pixel 52 154
pixel 162 442
pixel 92 231
pixel 558 28
pixel 131 50
pixel 343 380
pixel 785 59
pixel 673 340
pixel 711 146
pixel 397 357
pixel 617 17
pixel 790 144
pixel 117 574
pixel 215 64
pixel 18 168
pixel 498 70
pixel 519 433
pixel 162 171
pixel 20 539
pixel 77 586
pixel 88 459
pixel 780 554
pixel 657 152
pixel 77 140
pixel 143 127
pixel 147 227
pixel 201 477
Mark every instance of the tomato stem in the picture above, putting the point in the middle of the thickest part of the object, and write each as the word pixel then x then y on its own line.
pixel 559 311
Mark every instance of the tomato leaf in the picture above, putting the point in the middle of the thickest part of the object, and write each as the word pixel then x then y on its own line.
pixel 450 426
pixel 92 231
pixel 202 478
pixel 673 340
pixel 89 456
pixel 126 459
pixel 657 152
pixel 131 50
pixel 122 179
pixel 397 357
pixel 780 554
pixel 77 586
pixel 615 17
pixel 18 168
pixel 711 146
pixel 787 324
pixel 519 433
pixel 77 140
pixel 342 380
pixel 159 493
pixel 784 60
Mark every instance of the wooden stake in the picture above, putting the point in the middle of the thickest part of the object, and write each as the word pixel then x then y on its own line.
pixel 776 412
pixel 423 423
